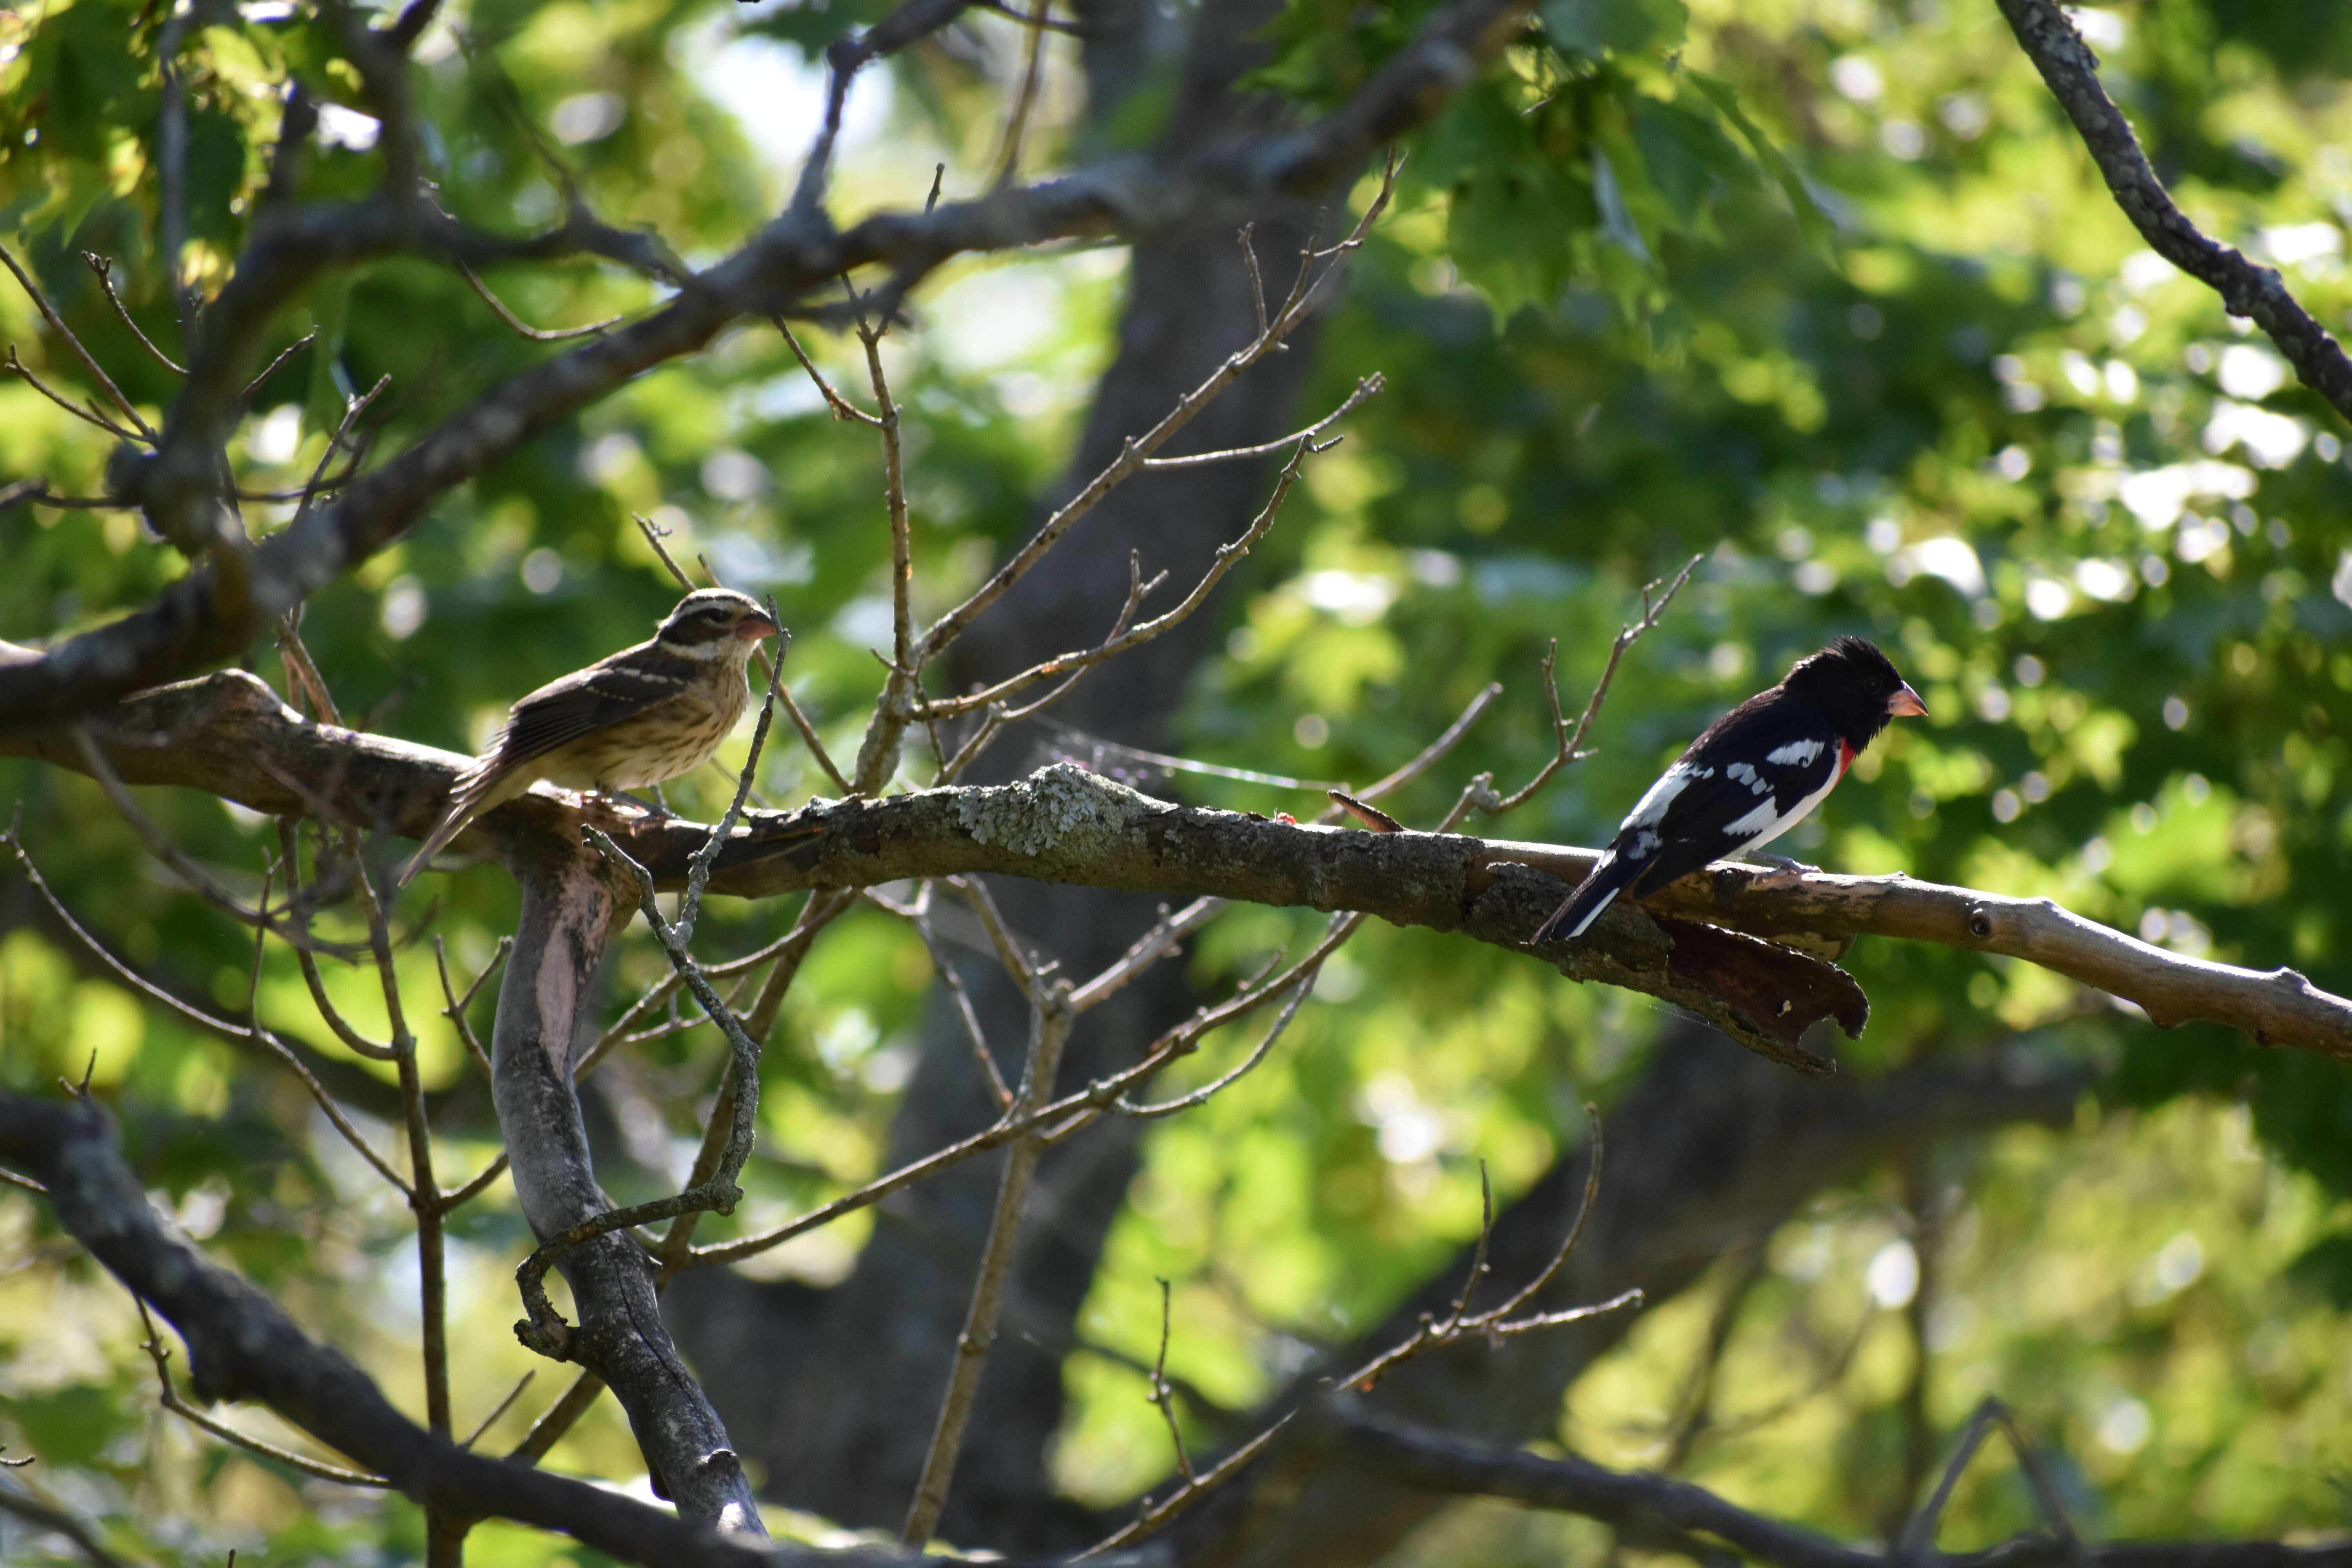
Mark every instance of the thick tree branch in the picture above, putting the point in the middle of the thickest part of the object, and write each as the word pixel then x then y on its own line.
pixel 213 612
pixel 570 910
pixel 1647 1503
pixel 2247 288
pixel 230 736
pixel 242 1346
pixel 1704 944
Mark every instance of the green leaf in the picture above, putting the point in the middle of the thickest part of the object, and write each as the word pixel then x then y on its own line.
pixel 1596 28
pixel 1688 155
pixel 1820 231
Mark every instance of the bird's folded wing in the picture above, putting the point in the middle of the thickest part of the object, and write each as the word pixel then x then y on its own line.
pixel 611 692
pixel 1749 787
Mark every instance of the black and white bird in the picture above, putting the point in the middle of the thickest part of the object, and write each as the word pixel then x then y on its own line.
pixel 1754 775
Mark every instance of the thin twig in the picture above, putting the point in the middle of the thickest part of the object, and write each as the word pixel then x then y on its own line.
pixel 1050 1021
pixel 456 1009
pixel 920 918
pixel 842 407
pixel 902 692
pixel 1228 555
pixel 89 362
pixel 425 1199
pixel 251 1030
pixel 288 351
pixel 88 415
pixel 1303 298
pixel 698 865
pixel 558 1419
pixel 1162 1396
pixel 1368 388
pixel 1494 1325
pixel 536 334
pixel 1008 159
pixel 500 1409
pixel 161 1354
pixel 1570 742
pixel 104 266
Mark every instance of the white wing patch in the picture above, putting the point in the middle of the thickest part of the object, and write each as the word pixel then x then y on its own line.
pixel 1765 820
pixel 1795 755
pixel 1652 805
pixel 1745 773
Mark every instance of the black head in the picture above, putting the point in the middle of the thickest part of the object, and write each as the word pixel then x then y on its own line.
pixel 1857 686
pixel 710 621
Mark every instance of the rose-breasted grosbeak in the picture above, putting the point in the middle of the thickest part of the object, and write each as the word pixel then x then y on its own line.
pixel 1753 775
pixel 649 713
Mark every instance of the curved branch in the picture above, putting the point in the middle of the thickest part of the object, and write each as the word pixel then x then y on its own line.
pixel 206 615
pixel 1651 1505
pixel 1705 943
pixel 2247 288
pixel 242 1346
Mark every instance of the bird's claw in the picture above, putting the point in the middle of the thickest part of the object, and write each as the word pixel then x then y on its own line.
pixel 1784 872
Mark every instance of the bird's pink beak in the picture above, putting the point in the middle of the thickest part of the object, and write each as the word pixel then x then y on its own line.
pixel 751 628
pixel 1905 704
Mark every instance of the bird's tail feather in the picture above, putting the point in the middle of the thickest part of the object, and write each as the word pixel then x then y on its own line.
pixel 468 798
pixel 1599 889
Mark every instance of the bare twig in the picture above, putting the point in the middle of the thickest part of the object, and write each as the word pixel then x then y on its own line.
pixel 456 1009
pixel 89 416
pixel 842 407
pixel 104 268
pixel 89 362
pixel 1228 555
pixel 1571 742
pixel 500 1409
pixel 901 698
pixel 1008 159
pixel 1367 389
pixel 536 334
pixel 41 1516
pixel 1303 295
pixel 1050 1021
pixel 251 1030
pixel 946 970
pixel 273 368
pixel 1494 1325
pixel 161 1354
pixel 557 1419
pixel 1165 1397
pixel 697 870
pixel 1202 1095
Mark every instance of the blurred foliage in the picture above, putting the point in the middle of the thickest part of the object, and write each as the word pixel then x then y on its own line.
pixel 1823 289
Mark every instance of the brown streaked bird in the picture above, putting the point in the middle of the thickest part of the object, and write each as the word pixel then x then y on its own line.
pixel 647 713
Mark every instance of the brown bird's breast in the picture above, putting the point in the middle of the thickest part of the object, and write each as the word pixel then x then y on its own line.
pixel 671 738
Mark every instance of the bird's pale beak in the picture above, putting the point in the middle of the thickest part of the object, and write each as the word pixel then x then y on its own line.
pixel 751 628
pixel 1905 704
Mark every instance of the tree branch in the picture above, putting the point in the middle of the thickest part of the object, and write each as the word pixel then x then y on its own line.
pixel 242 1346
pixel 2247 289
pixel 1702 943
pixel 1645 1502
pixel 208 616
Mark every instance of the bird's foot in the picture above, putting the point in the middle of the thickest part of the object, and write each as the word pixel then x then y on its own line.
pixel 657 808
pixel 1784 872
pixel 614 813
